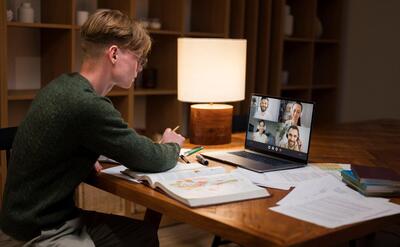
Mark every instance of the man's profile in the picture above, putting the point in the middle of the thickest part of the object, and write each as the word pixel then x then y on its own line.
pixel 69 125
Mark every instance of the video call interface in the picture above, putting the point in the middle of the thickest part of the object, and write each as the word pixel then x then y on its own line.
pixel 281 126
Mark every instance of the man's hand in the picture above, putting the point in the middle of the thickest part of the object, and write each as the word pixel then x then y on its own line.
pixel 98 167
pixel 171 136
pixel 299 144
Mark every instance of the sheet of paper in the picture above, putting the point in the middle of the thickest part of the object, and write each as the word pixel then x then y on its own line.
pixel 116 171
pixel 181 167
pixel 294 176
pixel 333 210
pixel 103 158
pixel 186 173
pixel 332 168
pixel 183 150
pixel 308 190
pixel 259 179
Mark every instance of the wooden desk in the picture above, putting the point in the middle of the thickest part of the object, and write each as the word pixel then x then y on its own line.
pixel 250 223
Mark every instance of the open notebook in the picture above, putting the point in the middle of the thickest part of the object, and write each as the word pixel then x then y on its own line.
pixel 196 185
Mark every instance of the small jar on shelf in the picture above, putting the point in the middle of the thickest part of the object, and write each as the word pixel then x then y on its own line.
pixel 81 17
pixel 10 15
pixel 288 21
pixel 26 13
pixel 155 24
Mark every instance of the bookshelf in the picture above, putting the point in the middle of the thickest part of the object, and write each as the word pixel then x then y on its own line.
pixel 309 56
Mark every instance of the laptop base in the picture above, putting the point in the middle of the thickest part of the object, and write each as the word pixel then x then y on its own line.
pixel 249 164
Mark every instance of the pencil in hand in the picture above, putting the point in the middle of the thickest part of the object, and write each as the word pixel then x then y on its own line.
pixel 175 129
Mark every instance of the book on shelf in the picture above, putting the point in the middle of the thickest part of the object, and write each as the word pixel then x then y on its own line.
pixel 369 189
pixel 376 175
pixel 197 185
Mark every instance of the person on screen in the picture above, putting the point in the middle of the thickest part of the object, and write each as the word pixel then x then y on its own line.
pixel 262 112
pixel 69 125
pixel 260 135
pixel 295 114
pixel 293 139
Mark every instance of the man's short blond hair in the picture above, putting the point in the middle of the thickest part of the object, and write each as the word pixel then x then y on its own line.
pixel 112 27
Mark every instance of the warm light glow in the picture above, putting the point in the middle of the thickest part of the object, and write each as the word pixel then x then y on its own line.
pixel 211 106
pixel 211 70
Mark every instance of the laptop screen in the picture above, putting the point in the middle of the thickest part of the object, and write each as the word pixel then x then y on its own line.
pixel 280 127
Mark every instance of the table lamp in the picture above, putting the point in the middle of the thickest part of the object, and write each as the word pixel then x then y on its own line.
pixel 211 70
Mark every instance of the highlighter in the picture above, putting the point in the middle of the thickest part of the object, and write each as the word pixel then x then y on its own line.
pixel 193 150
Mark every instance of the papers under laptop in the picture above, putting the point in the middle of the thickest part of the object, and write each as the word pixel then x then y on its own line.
pixel 277 137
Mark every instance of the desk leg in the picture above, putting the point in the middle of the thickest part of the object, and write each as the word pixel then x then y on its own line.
pixel 152 217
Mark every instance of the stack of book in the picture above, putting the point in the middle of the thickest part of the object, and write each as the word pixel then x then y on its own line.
pixel 372 181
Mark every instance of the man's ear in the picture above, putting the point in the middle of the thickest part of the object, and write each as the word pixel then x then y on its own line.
pixel 113 53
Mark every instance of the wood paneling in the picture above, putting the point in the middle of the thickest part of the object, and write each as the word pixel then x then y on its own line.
pixel 49 13
pixel 3 90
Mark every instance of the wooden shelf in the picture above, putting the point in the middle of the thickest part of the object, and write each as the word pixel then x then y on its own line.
pixel 31 93
pixel 118 92
pixel 324 86
pixel 40 25
pixel 327 41
pixel 28 94
pixel 202 34
pixel 295 87
pixel 164 32
pixel 303 94
pixel 298 39
pixel 146 92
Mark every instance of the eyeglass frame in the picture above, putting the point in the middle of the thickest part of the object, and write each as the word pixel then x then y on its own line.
pixel 142 61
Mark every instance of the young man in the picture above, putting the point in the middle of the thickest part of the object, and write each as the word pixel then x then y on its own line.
pixel 70 123
pixel 293 139
pixel 263 112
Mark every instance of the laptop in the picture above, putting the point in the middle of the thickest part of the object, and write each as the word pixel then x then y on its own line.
pixel 277 137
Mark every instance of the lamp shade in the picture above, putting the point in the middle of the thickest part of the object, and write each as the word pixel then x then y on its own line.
pixel 211 70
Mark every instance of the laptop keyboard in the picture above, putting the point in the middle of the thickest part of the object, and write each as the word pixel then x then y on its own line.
pixel 259 158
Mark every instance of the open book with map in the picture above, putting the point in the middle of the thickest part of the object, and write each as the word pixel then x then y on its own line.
pixel 196 185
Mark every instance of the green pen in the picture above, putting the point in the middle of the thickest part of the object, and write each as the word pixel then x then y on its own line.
pixel 193 150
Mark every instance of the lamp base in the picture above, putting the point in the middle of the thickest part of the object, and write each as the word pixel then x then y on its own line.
pixel 210 124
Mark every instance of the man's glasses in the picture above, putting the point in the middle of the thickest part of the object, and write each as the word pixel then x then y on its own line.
pixel 142 61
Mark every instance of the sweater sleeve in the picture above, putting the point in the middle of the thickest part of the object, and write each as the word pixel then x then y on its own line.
pixel 105 132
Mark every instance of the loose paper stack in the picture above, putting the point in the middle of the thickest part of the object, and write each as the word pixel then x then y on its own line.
pixel 285 179
pixel 330 203
pixel 320 197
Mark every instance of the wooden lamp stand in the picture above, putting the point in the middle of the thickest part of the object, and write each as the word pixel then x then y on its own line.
pixel 210 124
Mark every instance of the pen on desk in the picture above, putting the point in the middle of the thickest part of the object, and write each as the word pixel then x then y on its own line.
pixel 175 129
pixel 193 150
pixel 201 159
pixel 184 159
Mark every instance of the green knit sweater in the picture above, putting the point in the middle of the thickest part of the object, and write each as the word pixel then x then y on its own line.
pixel 66 129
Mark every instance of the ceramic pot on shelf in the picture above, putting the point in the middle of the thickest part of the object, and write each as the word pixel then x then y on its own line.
pixel 318 28
pixel 26 13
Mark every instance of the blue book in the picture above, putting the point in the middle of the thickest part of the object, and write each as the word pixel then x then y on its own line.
pixel 369 189
pixel 376 175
